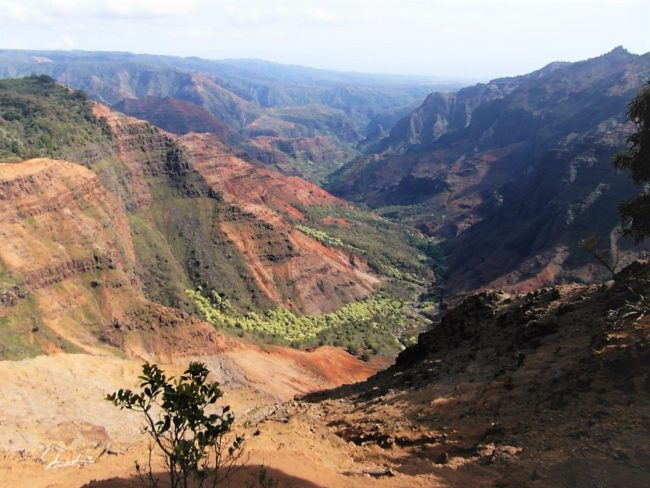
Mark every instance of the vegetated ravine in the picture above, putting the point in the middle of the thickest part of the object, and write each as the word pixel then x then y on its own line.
pixel 182 222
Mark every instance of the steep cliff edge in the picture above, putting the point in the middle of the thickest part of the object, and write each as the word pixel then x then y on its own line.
pixel 227 226
pixel 293 269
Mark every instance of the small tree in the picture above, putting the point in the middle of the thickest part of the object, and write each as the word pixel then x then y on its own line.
pixel 193 442
pixel 636 212
pixel 605 258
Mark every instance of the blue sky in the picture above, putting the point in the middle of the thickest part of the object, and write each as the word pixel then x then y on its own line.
pixel 457 38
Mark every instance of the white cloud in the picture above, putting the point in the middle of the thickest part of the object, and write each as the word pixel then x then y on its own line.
pixel 322 15
pixel 68 42
pixel 140 9
pixel 17 11
pixel 287 13
pixel 154 8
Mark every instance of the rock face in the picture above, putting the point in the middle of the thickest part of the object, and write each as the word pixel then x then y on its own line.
pixel 291 268
pixel 517 389
pixel 227 225
pixel 444 113
pixel 512 173
pixel 69 269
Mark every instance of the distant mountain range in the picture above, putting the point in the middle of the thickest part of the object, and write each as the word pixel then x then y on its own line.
pixel 299 120
pixel 510 174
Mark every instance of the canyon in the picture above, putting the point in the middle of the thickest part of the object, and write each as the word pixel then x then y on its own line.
pixel 389 290
pixel 510 175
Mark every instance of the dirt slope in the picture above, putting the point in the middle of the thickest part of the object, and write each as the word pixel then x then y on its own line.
pixel 544 389
pixel 53 406
pixel 318 278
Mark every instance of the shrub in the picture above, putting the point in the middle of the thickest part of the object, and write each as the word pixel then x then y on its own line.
pixel 379 325
pixel 193 442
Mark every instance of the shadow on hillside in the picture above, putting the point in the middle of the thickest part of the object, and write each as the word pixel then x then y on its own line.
pixel 245 477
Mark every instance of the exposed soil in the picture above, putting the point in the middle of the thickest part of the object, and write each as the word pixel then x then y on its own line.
pixel 52 409
pixel 320 278
pixel 544 389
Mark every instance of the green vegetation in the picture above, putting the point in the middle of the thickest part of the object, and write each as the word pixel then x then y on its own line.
pixel 635 212
pixel 194 243
pixel 163 277
pixel 378 325
pixel 24 335
pixel 391 249
pixel 39 118
pixel 325 238
pixel 180 420
pixel 318 172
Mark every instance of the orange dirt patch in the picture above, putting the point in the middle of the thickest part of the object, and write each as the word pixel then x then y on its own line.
pixel 336 221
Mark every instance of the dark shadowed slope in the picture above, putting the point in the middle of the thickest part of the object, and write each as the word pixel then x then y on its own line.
pixel 513 173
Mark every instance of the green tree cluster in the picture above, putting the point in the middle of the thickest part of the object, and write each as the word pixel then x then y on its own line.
pixel 377 325
pixel 40 118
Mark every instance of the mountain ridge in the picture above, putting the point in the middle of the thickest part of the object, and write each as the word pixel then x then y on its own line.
pixel 237 94
pixel 470 182
pixel 201 220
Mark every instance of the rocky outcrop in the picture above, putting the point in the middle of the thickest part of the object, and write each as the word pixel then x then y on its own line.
pixel 236 232
pixel 519 389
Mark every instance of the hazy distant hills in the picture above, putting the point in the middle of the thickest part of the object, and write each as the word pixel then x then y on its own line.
pixel 512 173
pixel 299 120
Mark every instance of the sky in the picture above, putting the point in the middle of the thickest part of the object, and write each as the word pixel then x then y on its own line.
pixel 471 39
